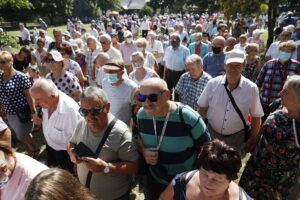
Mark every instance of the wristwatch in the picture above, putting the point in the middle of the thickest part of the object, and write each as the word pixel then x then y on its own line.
pixel 106 169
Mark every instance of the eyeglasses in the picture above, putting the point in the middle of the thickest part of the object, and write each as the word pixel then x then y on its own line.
pixel 151 97
pixel 94 111
pixel 49 60
pixel 2 62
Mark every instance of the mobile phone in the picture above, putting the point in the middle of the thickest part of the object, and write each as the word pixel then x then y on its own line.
pixel 81 150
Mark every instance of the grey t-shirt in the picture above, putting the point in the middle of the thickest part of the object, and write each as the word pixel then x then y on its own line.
pixel 120 146
pixel 120 98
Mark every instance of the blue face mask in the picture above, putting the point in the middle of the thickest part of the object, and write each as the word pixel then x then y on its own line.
pixel 112 78
pixel 284 56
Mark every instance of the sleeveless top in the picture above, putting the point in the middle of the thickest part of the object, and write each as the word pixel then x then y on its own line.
pixel 181 180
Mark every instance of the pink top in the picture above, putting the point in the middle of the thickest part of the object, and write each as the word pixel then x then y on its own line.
pixel 26 169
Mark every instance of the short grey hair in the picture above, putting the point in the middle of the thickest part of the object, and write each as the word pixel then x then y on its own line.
pixel 103 55
pixel 139 54
pixel 294 82
pixel 176 35
pixel 91 92
pixel 106 37
pixel 142 41
pixel 45 85
pixel 194 58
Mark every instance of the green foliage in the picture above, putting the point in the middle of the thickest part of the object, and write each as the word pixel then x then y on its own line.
pixel 8 40
pixel 99 6
pixel 147 10
pixel 20 4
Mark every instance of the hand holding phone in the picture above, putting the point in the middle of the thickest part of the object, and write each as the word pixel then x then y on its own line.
pixel 81 150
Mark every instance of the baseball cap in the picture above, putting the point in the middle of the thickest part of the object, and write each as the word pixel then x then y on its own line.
pixel 56 55
pixel 113 66
pixel 235 55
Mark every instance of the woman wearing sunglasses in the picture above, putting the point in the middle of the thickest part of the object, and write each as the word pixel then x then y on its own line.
pixel 140 72
pixel 274 167
pixel 14 97
pixel 64 80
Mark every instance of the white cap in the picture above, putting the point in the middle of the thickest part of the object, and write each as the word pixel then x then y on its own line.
pixel 127 33
pixel 56 56
pixel 256 32
pixel 235 55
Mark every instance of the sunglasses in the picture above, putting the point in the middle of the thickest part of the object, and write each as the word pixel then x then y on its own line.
pixel 49 60
pixel 94 111
pixel 2 62
pixel 150 97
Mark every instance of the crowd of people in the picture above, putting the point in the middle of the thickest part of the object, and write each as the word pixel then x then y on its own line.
pixel 172 103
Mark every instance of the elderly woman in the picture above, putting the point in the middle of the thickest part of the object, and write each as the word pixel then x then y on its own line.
pixel 256 39
pixel 140 72
pixel 71 65
pixel 64 80
pixel 274 167
pixel 16 102
pixel 253 65
pixel 274 73
pixel 16 170
pixel 38 55
pixel 22 59
pixel 219 166
pixel 150 60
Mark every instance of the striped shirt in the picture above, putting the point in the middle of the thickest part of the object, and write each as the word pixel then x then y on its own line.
pixel 272 77
pixel 177 152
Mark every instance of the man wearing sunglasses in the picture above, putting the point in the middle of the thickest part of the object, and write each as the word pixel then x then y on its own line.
pixel 119 90
pixel 59 117
pixel 117 160
pixel 169 135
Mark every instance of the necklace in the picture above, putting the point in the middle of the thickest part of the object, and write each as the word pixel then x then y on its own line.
pixel 295 133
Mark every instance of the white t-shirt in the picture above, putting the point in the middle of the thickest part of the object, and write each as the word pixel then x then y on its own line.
pixel 120 98
pixel 149 60
pixel 25 35
pixel 149 74
pixel 240 47
pixel 155 47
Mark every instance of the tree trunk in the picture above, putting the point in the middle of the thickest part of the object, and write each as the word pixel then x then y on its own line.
pixel 272 15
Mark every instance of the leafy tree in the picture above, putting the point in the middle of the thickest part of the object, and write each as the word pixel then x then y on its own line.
pixel 104 5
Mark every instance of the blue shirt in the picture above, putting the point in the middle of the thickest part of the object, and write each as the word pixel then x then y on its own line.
pixel 213 64
pixel 175 59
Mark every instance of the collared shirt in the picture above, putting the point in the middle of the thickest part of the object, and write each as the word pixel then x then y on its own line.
pixel 126 52
pixel 213 64
pixel 190 89
pixel 114 54
pixel 221 114
pixel 203 49
pixel 59 128
pixel 272 77
pixel 175 59
pixel 90 57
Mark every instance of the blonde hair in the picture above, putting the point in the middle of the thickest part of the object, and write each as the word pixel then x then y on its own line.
pixel 6 56
pixel 290 44
pixel 252 46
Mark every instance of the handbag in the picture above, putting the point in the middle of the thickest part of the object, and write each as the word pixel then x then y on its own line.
pixel 247 127
pixel 24 114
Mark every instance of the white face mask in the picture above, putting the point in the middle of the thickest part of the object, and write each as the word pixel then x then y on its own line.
pixel 129 40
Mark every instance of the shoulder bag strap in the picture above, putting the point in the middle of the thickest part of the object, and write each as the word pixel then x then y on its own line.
pixel 108 130
pixel 235 106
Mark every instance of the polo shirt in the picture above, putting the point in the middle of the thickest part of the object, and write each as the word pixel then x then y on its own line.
pixel 221 114
pixel 175 59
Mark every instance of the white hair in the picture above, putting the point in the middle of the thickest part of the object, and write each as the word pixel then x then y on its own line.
pixel 45 85
pixel 194 58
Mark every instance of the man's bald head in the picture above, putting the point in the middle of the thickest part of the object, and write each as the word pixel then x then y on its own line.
pixel 155 83
pixel 219 41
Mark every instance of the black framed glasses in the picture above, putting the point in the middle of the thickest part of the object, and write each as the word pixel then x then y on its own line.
pixel 94 111
pixel 150 97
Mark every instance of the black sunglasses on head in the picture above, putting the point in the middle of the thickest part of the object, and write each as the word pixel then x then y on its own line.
pixel 94 111
pixel 151 97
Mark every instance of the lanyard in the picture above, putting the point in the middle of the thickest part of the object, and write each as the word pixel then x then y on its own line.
pixel 295 133
pixel 162 131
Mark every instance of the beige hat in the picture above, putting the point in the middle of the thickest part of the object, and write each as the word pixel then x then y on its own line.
pixel 235 55
pixel 56 55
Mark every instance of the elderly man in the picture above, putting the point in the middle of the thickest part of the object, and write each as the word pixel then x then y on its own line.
pixel 213 62
pixel 59 117
pixel 57 33
pixel 155 46
pixel 198 47
pixel 25 35
pixel 16 169
pixel 127 48
pixel 169 135
pixel 93 50
pixel 101 59
pixel 224 122
pixel 119 90
pixel 175 58
pixel 192 83
pixel 113 53
pixel 107 175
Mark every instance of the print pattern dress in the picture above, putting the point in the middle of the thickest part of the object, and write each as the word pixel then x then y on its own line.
pixel 271 172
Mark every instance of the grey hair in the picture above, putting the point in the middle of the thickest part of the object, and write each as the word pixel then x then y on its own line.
pixel 176 35
pixel 142 40
pixel 91 92
pixel 106 37
pixel 194 58
pixel 45 85
pixel 198 35
pixel 103 55
pixel 294 82
pixel 139 54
